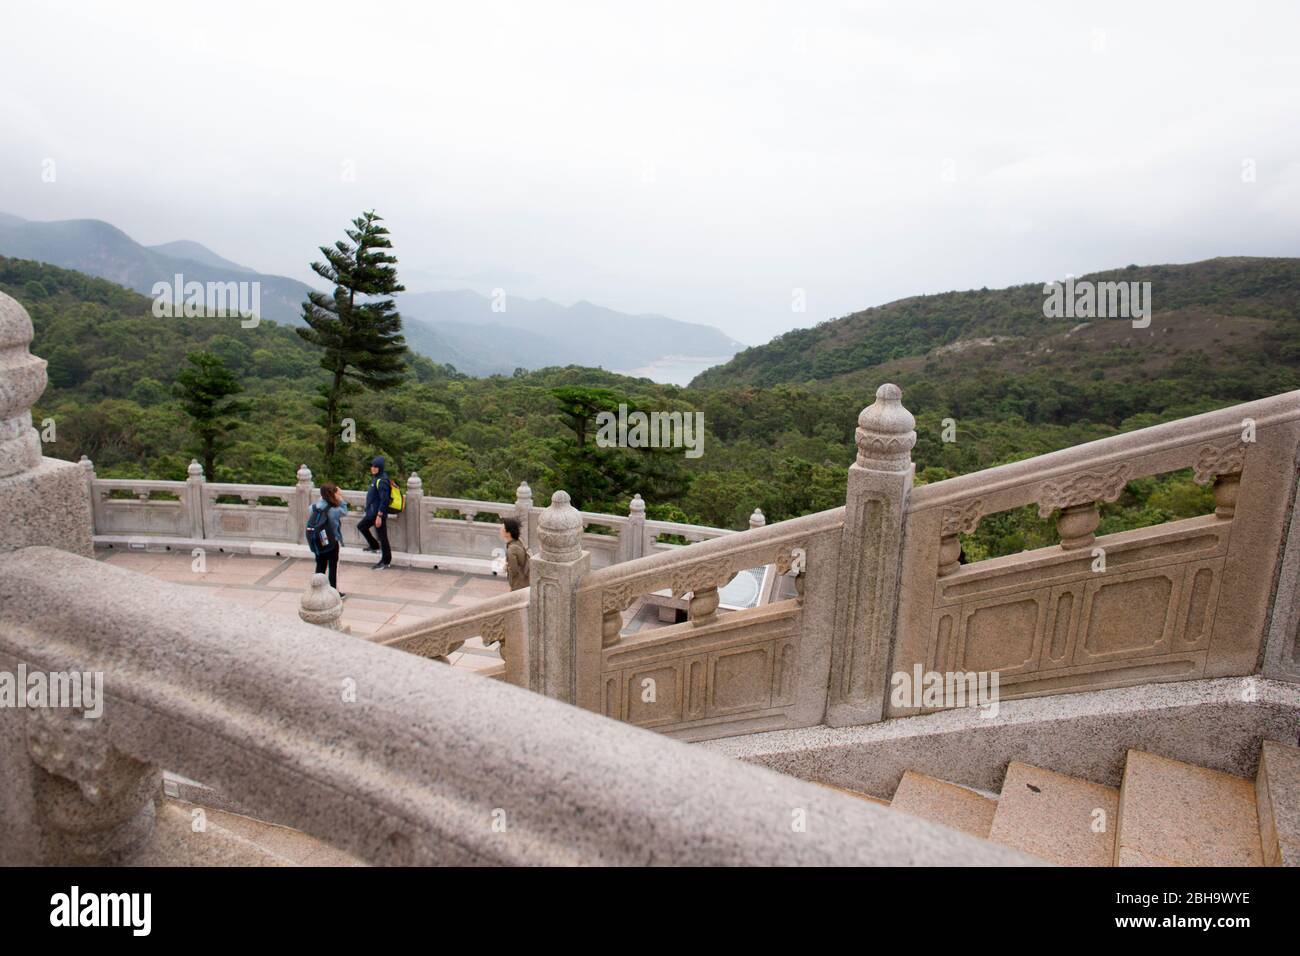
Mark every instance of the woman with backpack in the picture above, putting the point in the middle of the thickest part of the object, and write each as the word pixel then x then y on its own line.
pixel 325 532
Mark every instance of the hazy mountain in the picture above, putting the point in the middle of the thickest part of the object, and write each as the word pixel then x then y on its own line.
pixel 186 249
pixel 102 250
pixel 459 328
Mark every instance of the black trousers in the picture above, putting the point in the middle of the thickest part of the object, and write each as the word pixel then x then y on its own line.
pixel 366 525
pixel 330 560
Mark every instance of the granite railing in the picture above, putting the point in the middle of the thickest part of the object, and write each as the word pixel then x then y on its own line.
pixel 1175 601
pixel 188 513
pixel 395 759
pixel 876 588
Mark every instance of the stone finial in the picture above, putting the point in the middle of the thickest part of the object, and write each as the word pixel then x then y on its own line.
pixel 886 432
pixel 321 604
pixel 636 507
pixel 757 519
pixel 88 465
pixel 560 530
pixel 523 502
pixel 415 485
pixel 195 470
pixel 22 380
pixel 304 474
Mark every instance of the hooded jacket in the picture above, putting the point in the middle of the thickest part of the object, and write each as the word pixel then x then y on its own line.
pixel 380 492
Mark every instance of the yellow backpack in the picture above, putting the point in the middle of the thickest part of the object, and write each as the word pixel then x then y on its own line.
pixel 395 500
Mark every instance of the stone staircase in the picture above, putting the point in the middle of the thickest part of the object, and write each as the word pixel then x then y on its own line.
pixel 1164 813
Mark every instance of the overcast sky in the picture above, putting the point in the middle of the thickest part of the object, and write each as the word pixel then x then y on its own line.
pixel 702 160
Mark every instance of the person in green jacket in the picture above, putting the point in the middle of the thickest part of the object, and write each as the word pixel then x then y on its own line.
pixel 516 555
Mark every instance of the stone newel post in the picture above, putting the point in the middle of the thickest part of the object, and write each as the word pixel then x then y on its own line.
pixel 320 604
pixel 870 558
pixel 757 519
pixel 555 575
pixel 524 512
pixel 634 532
pixel 303 498
pixel 413 514
pixel 194 498
pixel 45 501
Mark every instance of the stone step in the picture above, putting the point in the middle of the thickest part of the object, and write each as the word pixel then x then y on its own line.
pixel 1178 814
pixel 1061 819
pixel 1277 800
pixel 852 793
pixel 943 802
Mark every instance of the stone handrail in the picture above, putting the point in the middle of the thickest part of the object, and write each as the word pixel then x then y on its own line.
pixel 395 759
pixel 502 619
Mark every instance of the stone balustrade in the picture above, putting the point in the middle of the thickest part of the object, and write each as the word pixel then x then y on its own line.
pixel 395 759
pixel 186 514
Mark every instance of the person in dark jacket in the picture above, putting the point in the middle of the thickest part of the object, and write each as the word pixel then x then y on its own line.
pixel 332 503
pixel 516 555
pixel 378 497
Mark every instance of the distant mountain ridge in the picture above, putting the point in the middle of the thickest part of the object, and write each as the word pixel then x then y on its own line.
pixel 459 328
pixel 1198 307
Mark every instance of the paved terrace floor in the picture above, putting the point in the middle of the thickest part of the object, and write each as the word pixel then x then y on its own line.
pixel 377 601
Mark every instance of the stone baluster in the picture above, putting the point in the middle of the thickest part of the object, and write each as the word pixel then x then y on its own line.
pixel 29 483
pixel 555 574
pixel 1078 499
pixel 702 608
pixel 194 499
pixel 634 531
pixel 1225 495
pixel 757 520
pixel 1076 525
pixel 321 604
pixel 412 517
pixel 880 481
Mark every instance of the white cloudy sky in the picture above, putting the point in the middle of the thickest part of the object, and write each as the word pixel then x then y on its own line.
pixel 700 159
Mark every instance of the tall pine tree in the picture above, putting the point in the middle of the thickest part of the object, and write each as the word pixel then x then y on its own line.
pixel 358 326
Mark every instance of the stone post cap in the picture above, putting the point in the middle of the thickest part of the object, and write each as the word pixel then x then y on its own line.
pixel 87 464
pixel 304 474
pixel 523 491
pixel 560 530
pixel 195 470
pixel 321 604
pixel 636 507
pixel 757 519
pixel 886 432
pixel 415 481
pixel 22 380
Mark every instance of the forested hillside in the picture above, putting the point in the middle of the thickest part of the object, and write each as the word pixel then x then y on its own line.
pixel 1016 385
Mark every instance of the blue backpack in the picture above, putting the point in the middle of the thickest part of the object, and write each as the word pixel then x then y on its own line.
pixel 319 538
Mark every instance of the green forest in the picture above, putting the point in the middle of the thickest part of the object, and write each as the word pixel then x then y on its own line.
pixel 779 419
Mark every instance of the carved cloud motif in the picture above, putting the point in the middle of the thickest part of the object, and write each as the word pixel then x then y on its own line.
pixel 1083 488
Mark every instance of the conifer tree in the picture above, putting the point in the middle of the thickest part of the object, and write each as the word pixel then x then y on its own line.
pixel 205 392
pixel 358 326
